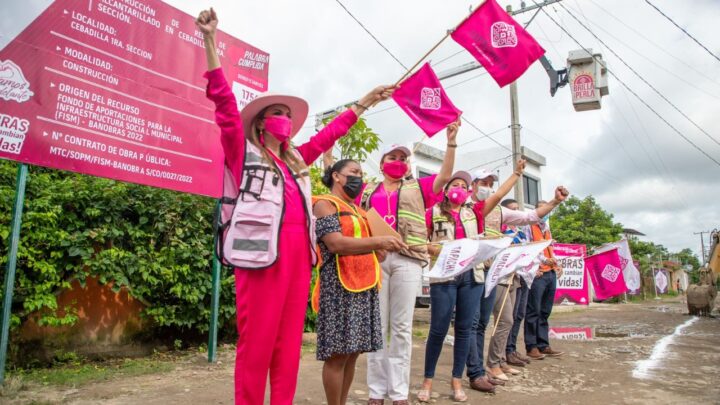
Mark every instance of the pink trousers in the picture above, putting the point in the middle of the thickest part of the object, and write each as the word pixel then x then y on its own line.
pixel 271 306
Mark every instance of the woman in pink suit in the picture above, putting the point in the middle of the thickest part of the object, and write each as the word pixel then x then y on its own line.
pixel 269 237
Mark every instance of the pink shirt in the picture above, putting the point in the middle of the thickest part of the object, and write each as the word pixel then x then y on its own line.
pixel 459 230
pixel 233 139
pixel 380 199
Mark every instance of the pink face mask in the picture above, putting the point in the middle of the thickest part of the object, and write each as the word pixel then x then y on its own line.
pixel 395 169
pixel 279 126
pixel 457 195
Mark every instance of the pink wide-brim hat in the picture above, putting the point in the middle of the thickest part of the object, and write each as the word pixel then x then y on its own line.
pixel 298 110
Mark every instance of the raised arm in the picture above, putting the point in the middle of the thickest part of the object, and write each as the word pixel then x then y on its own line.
pixel 227 115
pixel 494 199
pixel 449 161
pixel 339 127
pixel 343 245
pixel 207 23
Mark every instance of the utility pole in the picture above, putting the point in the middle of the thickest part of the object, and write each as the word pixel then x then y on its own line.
pixel 702 244
pixel 515 128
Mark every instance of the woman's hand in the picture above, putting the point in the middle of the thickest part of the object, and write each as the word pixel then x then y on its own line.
pixel 452 131
pixel 381 255
pixel 520 167
pixel 376 95
pixel 207 22
pixel 390 243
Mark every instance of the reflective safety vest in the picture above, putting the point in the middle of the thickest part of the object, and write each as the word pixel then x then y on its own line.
pixel 410 223
pixel 252 212
pixel 539 235
pixel 356 273
pixel 493 222
pixel 444 229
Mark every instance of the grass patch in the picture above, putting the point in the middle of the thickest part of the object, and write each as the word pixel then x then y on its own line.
pixel 308 348
pixel 420 333
pixel 78 374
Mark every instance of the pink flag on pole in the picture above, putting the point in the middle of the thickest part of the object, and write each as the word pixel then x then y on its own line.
pixel 606 273
pixel 498 42
pixel 422 98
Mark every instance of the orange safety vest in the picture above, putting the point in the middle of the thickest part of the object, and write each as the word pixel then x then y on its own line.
pixel 356 273
pixel 538 235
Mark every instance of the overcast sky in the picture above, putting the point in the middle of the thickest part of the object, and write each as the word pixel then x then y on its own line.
pixel 634 164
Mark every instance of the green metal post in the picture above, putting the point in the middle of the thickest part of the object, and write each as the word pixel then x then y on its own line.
pixel 215 298
pixel 12 261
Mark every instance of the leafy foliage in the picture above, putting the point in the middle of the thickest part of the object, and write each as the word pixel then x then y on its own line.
pixel 156 243
pixel 584 221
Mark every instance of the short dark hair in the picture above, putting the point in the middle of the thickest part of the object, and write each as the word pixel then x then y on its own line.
pixel 506 202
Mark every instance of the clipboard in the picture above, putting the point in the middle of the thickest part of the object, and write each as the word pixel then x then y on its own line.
pixel 378 226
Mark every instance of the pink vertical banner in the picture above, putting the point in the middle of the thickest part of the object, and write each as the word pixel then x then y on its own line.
pixel 572 287
pixel 606 274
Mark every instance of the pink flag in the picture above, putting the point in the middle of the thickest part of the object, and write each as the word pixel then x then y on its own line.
pixel 499 43
pixel 606 273
pixel 422 97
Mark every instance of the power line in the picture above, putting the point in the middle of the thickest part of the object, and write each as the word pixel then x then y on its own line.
pixel 371 34
pixel 683 30
pixel 488 134
pixel 401 64
pixel 657 65
pixel 635 94
pixel 653 43
pixel 640 77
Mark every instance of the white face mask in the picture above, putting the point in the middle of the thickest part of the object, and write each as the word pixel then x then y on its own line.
pixel 482 193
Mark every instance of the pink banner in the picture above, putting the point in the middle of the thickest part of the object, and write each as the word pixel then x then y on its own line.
pixel 498 42
pixel 424 100
pixel 572 287
pixel 115 89
pixel 606 274
pixel 662 280
pixel 639 289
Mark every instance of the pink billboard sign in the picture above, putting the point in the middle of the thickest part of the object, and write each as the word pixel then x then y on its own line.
pixel 115 89
pixel 572 287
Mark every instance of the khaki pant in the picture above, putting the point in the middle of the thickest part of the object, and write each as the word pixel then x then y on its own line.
pixel 496 351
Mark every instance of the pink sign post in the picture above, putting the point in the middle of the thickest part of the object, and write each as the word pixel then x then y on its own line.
pixel 115 89
pixel 572 287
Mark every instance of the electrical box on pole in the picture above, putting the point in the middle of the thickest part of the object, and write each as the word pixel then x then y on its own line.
pixel 587 75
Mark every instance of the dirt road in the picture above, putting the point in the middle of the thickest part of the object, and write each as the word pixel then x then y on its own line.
pixel 619 353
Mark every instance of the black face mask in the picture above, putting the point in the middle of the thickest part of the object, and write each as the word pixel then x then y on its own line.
pixel 353 185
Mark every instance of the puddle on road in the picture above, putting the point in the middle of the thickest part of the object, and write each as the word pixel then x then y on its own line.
pixel 645 369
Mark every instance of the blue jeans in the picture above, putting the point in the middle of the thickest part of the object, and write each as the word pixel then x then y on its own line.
pixel 521 299
pixel 539 307
pixel 462 295
pixel 475 360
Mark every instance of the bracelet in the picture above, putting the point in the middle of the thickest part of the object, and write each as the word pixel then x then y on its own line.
pixel 361 106
pixel 454 145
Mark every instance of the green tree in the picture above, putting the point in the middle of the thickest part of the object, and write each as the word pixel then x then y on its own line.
pixel 686 256
pixel 359 142
pixel 156 243
pixel 584 221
